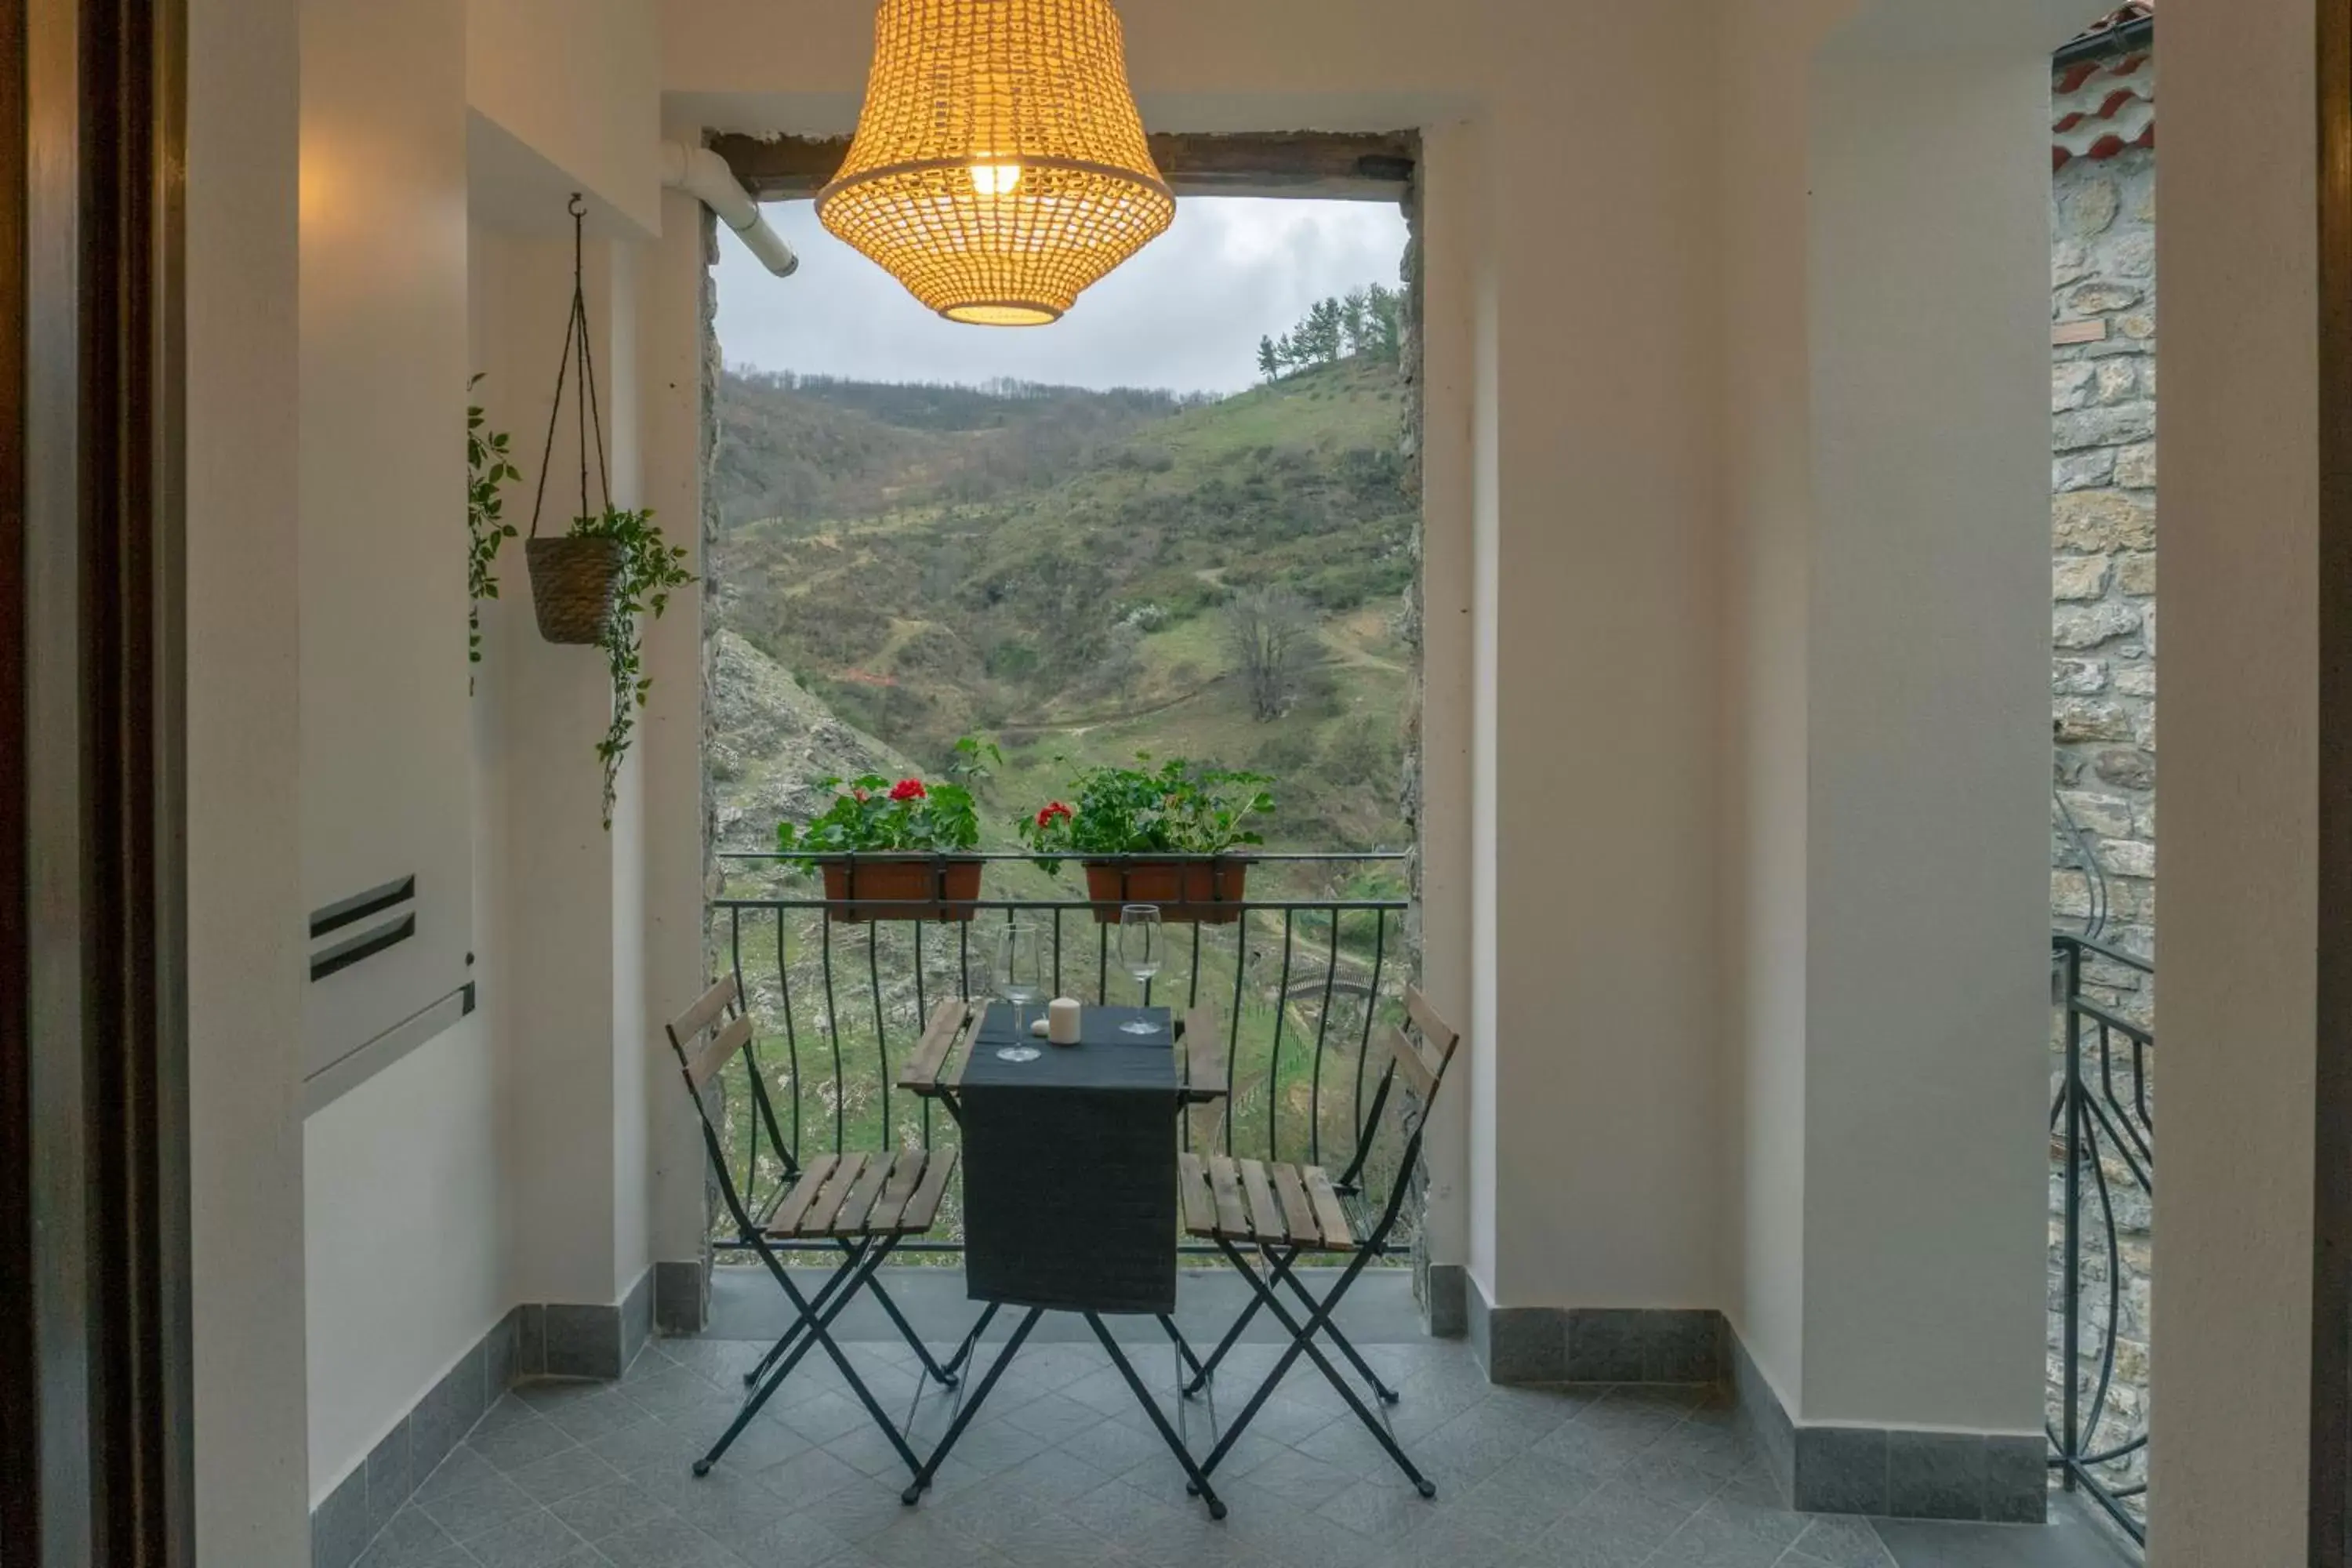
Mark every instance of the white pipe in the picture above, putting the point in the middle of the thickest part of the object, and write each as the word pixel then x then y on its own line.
pixel 704 175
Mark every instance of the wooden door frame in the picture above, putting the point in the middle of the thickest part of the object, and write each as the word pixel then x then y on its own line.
pixel 2331 1316
pixel 96 1391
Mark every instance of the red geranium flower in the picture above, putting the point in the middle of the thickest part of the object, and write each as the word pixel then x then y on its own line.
pixel 907 789
pixel 1046 817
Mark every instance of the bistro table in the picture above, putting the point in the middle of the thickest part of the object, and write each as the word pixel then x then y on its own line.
pixel 1070 1185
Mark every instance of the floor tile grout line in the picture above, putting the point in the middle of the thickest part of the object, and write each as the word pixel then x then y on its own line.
pixel 1683 1412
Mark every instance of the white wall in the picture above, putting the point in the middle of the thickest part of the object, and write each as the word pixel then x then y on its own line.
pixel 2238 184
pixel 405 1252
pixel 1928 752
pixel 1603 794
pixel 578 83
pixel 1483 304
pixel 632 1047
pixel 1884 182
pixel 404 1263
pixel 1451 168
pixel 382 368
pixel 246 959
pixel 670 352
pixel 556 999
pixel 1767 507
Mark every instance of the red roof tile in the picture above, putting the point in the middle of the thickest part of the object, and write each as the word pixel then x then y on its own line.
pixel 2100 107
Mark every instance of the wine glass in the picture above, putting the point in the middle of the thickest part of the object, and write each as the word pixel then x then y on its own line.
pixel 1142 947
pixel 1020 978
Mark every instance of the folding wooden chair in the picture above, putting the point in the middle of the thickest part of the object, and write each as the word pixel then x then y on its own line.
pixel 862 1205
pixel 1283 1211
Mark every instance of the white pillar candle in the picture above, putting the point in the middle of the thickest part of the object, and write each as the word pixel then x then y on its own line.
pixel 1062 1021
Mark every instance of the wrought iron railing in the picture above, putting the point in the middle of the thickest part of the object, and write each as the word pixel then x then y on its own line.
pixel 1314 957
pixel 2103 1171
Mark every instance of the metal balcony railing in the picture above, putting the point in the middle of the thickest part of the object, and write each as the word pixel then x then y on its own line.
pixel 2103 1184
pixel 1316 956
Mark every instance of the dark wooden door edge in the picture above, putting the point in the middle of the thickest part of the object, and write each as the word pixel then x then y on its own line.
pixel 96 1462
pixel 2331 1318
pixel 19 1365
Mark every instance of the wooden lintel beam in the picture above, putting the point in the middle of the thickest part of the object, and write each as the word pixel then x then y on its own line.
pixel 1328 164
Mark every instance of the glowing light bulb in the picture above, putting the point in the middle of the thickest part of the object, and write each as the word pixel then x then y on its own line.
pixel 995 179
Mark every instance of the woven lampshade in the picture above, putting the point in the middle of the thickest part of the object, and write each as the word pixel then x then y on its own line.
pixel 1000 165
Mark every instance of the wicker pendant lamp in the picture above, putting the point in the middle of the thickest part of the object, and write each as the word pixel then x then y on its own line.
pixel 1000 165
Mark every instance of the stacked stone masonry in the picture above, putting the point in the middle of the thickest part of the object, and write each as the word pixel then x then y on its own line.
pixel 2103 402
pixel 2103 562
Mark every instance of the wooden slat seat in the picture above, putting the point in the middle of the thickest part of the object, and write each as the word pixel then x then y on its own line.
pixel 841 1196
pixel 1201 1056
pixel 949 1022
pixel 1270 1203
pixel 849 1196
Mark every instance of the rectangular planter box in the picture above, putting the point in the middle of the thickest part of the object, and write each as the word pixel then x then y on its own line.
pixel 904 881
pixel 1207 892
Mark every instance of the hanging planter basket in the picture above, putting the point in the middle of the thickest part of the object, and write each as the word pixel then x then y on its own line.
pixel 573 582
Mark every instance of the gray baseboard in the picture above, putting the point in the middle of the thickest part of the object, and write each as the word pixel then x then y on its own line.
pixel 1442 1292
pixel 592 1342
pixel 341 1527
pixel 1762 1416
pixel 682 1297
pixel 1892 1472
pixel 538 1340
pixel 1595 1344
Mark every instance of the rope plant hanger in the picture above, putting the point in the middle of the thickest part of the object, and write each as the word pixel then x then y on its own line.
pixel 593 584
pixel 572 578
pixel 1000 165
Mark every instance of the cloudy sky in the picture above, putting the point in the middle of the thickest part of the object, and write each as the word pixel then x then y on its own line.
pixel 1184 313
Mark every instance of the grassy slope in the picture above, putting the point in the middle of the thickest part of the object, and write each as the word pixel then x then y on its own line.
pixel 924 577
pixel 938 615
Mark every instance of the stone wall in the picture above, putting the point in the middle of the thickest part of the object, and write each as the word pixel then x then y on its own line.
pixel 2103 565
pixel 2103 668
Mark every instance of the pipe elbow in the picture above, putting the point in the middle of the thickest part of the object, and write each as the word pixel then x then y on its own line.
pixel 704 175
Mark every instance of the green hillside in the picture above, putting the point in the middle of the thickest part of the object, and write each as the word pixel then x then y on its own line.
pixel 1050 567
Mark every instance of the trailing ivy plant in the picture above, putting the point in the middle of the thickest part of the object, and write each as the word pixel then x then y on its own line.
pixel 651 567
pixel 488 469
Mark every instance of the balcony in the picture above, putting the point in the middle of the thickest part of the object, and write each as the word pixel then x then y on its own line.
pixel 1733 326
pixel 1062 1468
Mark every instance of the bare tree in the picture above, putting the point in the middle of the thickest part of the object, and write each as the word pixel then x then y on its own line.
pixel 1271 633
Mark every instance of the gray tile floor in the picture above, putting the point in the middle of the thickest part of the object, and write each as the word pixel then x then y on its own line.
pixel 1062 1469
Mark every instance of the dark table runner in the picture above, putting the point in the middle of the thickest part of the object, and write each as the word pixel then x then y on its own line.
pixel 1070 1166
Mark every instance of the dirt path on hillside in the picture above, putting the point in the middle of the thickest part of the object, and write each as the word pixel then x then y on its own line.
pixel 1084 722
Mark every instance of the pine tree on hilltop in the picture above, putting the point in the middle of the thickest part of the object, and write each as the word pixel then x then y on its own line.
pixel 1365 322
pixel 1324 322
pixel 1385 311
pixel 1355 314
